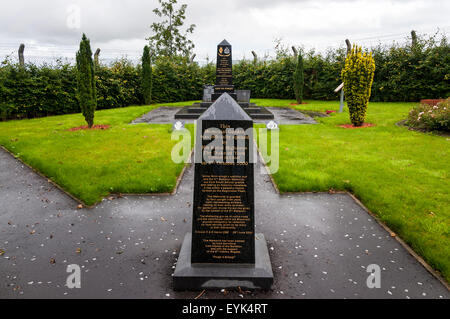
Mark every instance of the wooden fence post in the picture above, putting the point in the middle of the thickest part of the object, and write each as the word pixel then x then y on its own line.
pixel 255 57
pixel 96 55
pixel 414 38
pixel 349 46
pixel 294 49
pixel 21 55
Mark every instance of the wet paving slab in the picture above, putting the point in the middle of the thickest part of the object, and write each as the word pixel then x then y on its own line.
pixel 320 244
pixel 283 116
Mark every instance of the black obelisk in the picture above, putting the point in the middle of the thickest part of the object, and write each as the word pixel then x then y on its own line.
pixel 224 71
pixel 223 250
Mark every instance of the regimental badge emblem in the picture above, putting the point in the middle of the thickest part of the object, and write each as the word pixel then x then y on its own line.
pixel 224 51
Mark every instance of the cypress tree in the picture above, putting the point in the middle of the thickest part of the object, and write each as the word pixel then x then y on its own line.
pixel 299 79
pixel 86 89
pixel 147 76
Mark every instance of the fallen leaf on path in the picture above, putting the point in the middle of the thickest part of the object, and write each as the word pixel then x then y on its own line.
pixel 78 250
pixel 2 252
pixel 52 261
pixel 200 295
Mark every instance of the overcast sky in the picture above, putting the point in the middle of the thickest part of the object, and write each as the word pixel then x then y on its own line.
pixel 119 27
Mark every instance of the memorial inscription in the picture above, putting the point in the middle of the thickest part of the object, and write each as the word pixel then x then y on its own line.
pixel 223 223
pixel 223 250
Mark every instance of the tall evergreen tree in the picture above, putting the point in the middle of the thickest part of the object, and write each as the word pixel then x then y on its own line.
pixel 299 79
pixel 86 89
pixel 147 76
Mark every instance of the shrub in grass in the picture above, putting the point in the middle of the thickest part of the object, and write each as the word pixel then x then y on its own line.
pixel 431 117
pixel 299 79
pixel 358 75
pixel 86 90
pixel 147 76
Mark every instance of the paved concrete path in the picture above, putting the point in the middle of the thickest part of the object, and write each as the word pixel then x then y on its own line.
pixel 283 116
pixel 320 244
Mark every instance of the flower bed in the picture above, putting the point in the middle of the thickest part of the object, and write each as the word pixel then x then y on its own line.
pixel 431 117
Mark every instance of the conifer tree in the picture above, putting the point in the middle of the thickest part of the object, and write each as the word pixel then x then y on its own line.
pixel 147 76
pixel 86 89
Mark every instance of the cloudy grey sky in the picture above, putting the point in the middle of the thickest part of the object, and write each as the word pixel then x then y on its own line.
pixel 119 27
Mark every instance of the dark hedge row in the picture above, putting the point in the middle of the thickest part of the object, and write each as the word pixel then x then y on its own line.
pixel 32 91
pixel 404 73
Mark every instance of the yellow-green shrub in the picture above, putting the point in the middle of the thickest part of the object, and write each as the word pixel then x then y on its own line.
pixel 358 76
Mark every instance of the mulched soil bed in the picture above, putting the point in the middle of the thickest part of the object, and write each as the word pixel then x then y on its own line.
pixel 86 128
pixel 352 127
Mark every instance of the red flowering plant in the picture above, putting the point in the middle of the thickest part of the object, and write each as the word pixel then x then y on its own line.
pixel 431 117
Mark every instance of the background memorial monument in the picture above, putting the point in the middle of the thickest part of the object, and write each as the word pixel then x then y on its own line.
pixel 224 84
pixel 222 251
pixel 224 71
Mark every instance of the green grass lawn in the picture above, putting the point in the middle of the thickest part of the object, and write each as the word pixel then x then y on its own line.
pixel 92 164
pixel 400 175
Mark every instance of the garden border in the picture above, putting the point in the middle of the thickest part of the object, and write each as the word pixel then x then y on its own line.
pixel 118 195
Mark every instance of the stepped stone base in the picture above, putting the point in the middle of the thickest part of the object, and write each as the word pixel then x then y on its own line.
pixel 194 111
pixel 189 277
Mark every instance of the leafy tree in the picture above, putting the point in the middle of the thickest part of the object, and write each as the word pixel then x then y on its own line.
pixel 86 89
pixel 358 77
pixel 147 76
pixel 168 39
pixel 299 79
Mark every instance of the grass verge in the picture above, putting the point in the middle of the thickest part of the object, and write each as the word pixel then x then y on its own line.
pixel 92 164
pixel 402 176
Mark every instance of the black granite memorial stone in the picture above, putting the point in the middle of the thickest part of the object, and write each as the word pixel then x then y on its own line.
pixel 223 223
pixel 223 250
pixel 224 71
pixel 224 84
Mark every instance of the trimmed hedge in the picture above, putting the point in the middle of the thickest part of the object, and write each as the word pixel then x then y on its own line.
pixel 404 73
